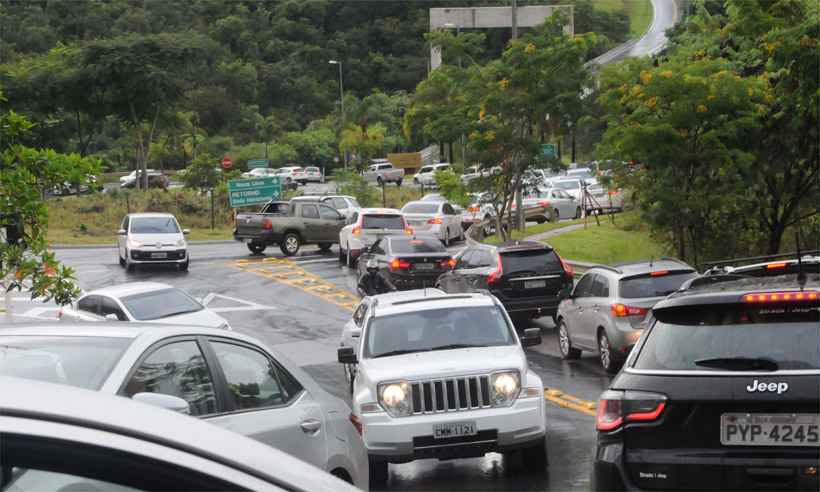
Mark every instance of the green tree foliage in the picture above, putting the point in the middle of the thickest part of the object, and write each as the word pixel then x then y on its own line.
pixel 25 173
pixel 727 127
pixel 349 182
pixel 450 186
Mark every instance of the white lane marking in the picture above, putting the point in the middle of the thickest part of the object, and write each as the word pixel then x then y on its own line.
pixel 326 260
pixel 37 313
pixel 247 305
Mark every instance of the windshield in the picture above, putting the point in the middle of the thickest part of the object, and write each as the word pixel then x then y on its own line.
pixel 649 286
pixel 354 203
pixel 567 185
pixel 154 225
pixel 421 331
pixel 160 304
pixel 420 208
pixel 84 362
pixel 695 339
pixel 537 262
pixel 403 246
pixel 382 221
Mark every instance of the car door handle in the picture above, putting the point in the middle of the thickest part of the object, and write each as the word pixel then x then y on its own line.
pixel 310 426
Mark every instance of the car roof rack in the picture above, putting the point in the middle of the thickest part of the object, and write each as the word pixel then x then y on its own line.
pixel 607 267
pixel 761 259
pixel 437 298
pixel 702 280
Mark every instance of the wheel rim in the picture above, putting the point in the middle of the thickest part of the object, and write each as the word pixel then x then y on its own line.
pixel 603 344
pixel 563 339
pixel 291 244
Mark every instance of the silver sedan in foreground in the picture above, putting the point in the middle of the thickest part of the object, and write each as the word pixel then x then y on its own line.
pixel 223 377
pixel 61 438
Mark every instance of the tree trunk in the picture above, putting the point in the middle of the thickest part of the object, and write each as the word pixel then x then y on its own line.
pixel 776 231
pixel 451 152
pixel 572 140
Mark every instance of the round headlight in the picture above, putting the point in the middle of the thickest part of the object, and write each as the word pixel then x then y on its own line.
pixel 506 384
pixel 505 387
pixel 395 399
pixel 393 395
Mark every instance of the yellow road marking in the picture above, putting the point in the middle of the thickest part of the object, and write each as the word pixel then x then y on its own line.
pixel 286 271
pixel 568 401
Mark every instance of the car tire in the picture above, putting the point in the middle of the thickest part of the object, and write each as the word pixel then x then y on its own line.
pixel 578 213
pixel 290 244
pixel 183 267
pixel 446 238
pixel 398 183
pixel 416 182
pixel 541 220
pixel 378 473
pixel 608 361
pixel 256 248
pixel 122 260
pixel 379 181
pixel 568 352
pixel 349 261
pixel 534 458
pixel 325 247
pixel 342 255
pixel 556 216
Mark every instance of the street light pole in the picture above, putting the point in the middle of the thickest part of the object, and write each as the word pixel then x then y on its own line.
pixel 450 25
pixel 341 99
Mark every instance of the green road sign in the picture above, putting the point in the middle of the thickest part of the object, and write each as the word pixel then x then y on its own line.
pixel 548 150
pixel 257 163
pixel 243 192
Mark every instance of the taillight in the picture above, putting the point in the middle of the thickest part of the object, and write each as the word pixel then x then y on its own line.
pixel 622 310
pixel 617 408
pixel 399 264
pixel 805 295
pixel 659 273
pixel 496 274
pixel 474 209
pixel 357 424
pixel 267 224
pixel 408 231
pixel 544 203
pixel 568 272
pixel 451 263
pixel 356 231
pixel 435 220
pixel 775 266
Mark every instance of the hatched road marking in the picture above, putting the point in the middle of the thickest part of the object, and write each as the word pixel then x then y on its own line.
pixel 288 272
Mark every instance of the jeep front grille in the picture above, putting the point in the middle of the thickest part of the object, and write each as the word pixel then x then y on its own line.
pixel 451 395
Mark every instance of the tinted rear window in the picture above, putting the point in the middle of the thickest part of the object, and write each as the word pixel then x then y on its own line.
pixel 408 246
pixel 537 262
pixel 648 286
pixel 382 221
pixel 421 208
pixel 160 304
pixel 789 336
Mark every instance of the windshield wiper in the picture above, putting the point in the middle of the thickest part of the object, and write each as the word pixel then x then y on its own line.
pixel 456 346
pixel 739 363
pixel 399 352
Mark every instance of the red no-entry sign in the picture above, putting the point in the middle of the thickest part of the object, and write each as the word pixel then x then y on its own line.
pixel 227 163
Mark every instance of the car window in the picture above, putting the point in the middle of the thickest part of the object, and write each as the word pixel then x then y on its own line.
pixel 328 213
pixel 377 248
pixel 448 209
pixel 485 258
pixel 354 203
pixel 125 223
pixel 680 338
pixel 407 245
pixel 252 378
pixel 154 225
pixel 160 304
pixel 89 304
pixel 420 208
pixel 339 203
pixel 465 260
pixel 84 362
pixel 655 284
pixel 110 306
pixel 361 312
pixel 423 330
pixel 583 287
pixel 383 221
pixel 535 262
pixel 354 218
pixel 177 369
pixel 599 287
pixel 310 212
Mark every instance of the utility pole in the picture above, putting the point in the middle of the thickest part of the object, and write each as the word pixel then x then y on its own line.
pixel 450 25
pixel 519 219
pixel 515 19
pixel 341 100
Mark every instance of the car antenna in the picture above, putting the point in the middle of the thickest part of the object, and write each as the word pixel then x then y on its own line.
pixel 801 275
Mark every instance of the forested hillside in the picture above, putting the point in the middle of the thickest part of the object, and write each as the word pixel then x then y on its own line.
pixel 167 80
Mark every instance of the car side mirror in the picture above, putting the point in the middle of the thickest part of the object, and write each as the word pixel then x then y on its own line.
pixel 347 355
pixel 122 232
pixel 532 336
pixel 186 231
pixel 111 317
pixel 168 402
pixel 356 332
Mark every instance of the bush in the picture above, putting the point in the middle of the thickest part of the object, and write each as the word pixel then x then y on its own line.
pixel 353 184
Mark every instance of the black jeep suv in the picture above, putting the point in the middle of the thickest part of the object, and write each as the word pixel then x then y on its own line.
pixel 722 392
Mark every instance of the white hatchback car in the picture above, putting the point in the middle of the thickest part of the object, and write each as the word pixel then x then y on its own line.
pixel 150 302
pixel 152 238
pixel 368 226
pixel 227 379
pixel 439 219
pixel 260 172
pixel 442 376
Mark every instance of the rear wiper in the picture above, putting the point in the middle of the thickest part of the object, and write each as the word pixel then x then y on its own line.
pixel 399 352
pixel 456 346
pixel 739 363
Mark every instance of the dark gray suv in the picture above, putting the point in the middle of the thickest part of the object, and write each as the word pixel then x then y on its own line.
pixel 605 312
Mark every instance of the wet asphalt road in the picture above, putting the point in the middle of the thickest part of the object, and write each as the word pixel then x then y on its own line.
pixel 304 320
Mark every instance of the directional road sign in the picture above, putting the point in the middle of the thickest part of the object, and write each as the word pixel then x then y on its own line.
pixel 257 163
pixel 548 150
pixel 243 192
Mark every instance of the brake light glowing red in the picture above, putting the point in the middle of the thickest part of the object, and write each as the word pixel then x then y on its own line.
pixel 622 310
pixel 451 263
pixel 568 271
pixel 759 297
pixel 496 274
pixel 616 408
pixel 435 220
pixel 408 231
pixel 544 203
pixel 398 264
pixel 773 266
pixel 356 231
pixel 267 224
pixel 609 415
pixel 647 416
pixel 659 273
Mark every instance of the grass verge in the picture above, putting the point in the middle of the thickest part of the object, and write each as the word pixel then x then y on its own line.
pixel 533 230
pixel 639 12
pixel 626 240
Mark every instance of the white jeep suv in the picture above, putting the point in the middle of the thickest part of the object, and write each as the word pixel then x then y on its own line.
pixel 441 376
